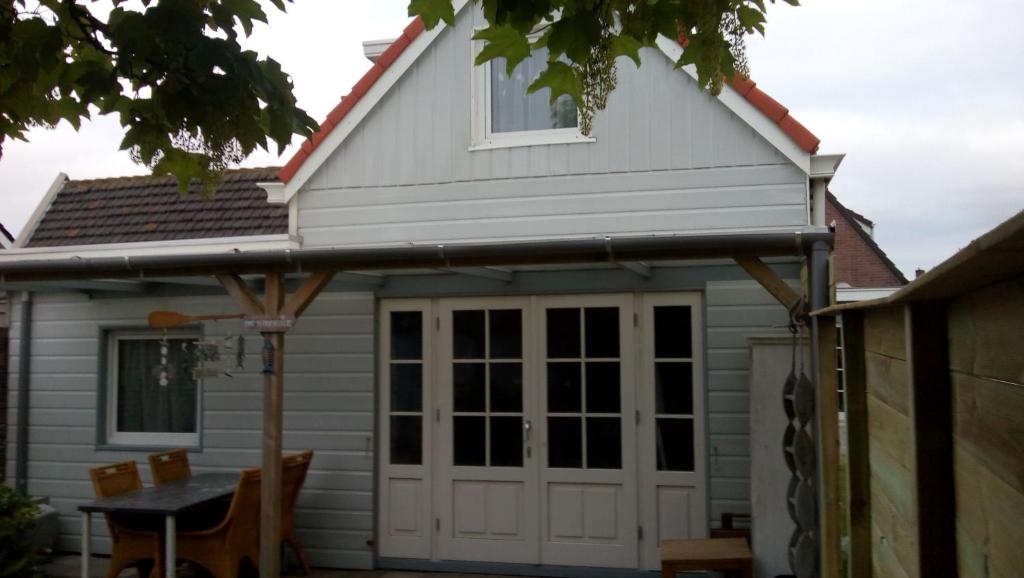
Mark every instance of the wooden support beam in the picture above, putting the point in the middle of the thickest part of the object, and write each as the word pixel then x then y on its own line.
pixel 768 279
pixel 641 269
pixel 484 273
pixel 271 494
pixel 243 296
pixel 858 467
pixel 828 446
pixel 306 293
pixel 931 416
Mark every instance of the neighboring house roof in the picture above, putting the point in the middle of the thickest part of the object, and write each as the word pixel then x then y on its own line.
pixel 777 113
pixel 859 261
pixel 137 209
pixel 6 238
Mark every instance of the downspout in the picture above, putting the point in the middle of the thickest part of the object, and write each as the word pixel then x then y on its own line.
pixel 24 364
pixel 819 299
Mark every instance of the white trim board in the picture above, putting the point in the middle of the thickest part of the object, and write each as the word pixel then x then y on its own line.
pixel 206 245
pixel 41 208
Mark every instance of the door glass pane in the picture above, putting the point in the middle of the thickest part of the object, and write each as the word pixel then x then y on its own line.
pixel 675 444
pixel 469 440
pixel 673 387
pixel 406 439
pixel 406 387
pixel 603 387
pixel 602 331
pixel 507 441
pixel 469 393
pixel 406 335
pixel 604 443
pixel 564 387
pixel 506 329
pixel 563 333
pixel 507 387
pixel 565 442
pixel 672 336
pixel 468 339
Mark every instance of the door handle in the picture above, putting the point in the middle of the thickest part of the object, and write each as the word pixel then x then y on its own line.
pixel 527 428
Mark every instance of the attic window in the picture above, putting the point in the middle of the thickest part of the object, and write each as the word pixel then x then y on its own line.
pixel 505 115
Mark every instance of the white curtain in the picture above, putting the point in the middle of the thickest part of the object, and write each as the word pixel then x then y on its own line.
pixel 143 405
pixel 514 110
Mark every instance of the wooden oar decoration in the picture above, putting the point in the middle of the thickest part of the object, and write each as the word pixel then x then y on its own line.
pixel 168 319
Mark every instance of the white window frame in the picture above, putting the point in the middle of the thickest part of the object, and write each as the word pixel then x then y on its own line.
pixel 157 439
pixel 484 139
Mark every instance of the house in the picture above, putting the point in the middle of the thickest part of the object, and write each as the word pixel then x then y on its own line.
pixel 5 241
pixel 535 353
pixel 861 269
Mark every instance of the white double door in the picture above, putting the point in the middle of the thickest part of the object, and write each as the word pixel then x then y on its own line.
pixel 534 460
pixel 537 442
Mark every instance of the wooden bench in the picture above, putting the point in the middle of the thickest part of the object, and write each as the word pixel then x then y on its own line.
pixel 721 554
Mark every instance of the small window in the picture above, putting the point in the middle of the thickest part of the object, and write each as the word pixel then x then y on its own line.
pixel 507 115
pixel 153 389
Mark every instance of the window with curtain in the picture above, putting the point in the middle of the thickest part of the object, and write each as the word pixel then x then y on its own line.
pixel 154 390
pixel 513 110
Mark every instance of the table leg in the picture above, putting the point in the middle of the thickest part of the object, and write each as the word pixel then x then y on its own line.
pixel 86 543
pixel 170 546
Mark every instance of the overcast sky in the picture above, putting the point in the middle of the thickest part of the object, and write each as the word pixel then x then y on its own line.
pixel 923 96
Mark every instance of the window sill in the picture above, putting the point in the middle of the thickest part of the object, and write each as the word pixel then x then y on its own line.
pixel 521 140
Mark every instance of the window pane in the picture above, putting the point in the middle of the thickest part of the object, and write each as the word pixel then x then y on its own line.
pixel 406 335
pixel 602 327
pixel 143 404
pixel 675 444
pixel 469 440
pixel 565 442
pixel 563 333
pixel 564 387
pixel 406 387
pixel 672 336
pixel 512 109
pixel 604 443
pixel 507 441
pixel 603 387
pixel 469 393
pixel 507 387
pixel 468 338
pixel 673 387
pixel 406 439
pixel 506 334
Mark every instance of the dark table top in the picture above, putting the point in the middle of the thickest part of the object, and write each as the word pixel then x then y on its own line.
pixel 169 498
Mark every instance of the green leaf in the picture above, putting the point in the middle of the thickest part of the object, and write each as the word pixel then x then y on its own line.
pixel 625 45
pixel 433 11
pixel 561 79
pixel 503 41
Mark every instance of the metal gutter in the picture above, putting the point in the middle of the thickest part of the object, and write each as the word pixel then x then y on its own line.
pixel 601 249
pixel 24 368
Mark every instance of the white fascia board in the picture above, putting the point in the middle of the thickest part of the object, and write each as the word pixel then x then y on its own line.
pixel 275 192
pixel 41 208
pixel 825 166
pixel 369 100
pixel 846 295
pixel 154 248
pixel 372 49
pixel 4 243
pixel 742 108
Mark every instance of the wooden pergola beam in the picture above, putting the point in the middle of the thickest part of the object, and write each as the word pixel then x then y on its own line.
pixel 768 279
pixel 242 294
pixel 306 292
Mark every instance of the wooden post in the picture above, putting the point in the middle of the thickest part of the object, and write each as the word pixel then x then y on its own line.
pixel 828 446
pixel 273 426
pixel 858 470
pixel 931 416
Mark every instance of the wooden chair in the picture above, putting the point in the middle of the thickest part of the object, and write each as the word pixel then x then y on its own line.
pixel 295 467
pixel 223 548
pixel 169 466
pixel 132 543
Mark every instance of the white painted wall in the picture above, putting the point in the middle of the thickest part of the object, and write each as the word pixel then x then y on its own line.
pixel 667 158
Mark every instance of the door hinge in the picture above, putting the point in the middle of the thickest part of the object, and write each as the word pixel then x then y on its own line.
pixel 437 415
pixel 636 320
pixel 639 532
pixel 637 417
pixel 437 524
pixel 437 323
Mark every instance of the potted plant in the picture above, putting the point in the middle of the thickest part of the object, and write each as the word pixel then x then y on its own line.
pixel 17 521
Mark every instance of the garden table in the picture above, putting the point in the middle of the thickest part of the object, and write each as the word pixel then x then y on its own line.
pixel 167 500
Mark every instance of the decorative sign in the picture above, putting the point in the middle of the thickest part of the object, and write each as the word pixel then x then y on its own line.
pixel 269 324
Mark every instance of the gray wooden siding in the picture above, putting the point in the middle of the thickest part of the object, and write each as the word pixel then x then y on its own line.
pixel 667 158
pixel 328 407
